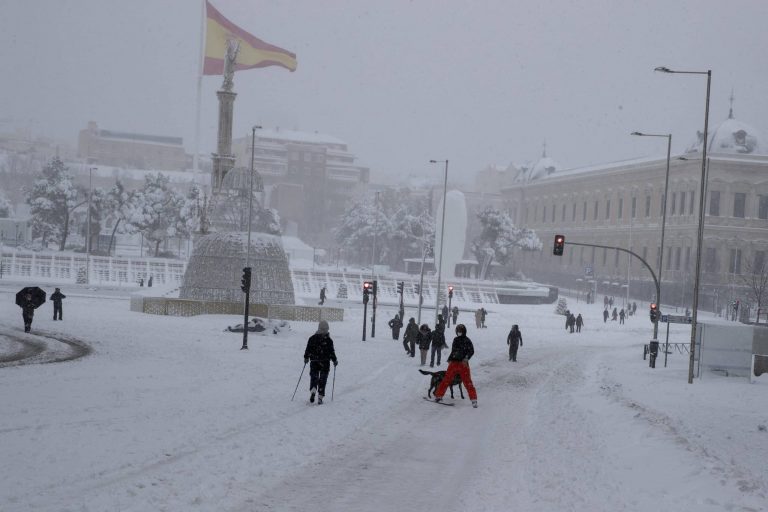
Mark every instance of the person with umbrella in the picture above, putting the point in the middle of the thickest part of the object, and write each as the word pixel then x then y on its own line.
pixel 29 299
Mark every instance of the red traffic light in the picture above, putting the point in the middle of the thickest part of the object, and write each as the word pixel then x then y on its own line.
pixel 559 245
pixel 367 285
pixel 654 307
pixel 450 288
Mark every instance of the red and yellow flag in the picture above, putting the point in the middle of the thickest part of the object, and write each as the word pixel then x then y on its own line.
pixel 254 53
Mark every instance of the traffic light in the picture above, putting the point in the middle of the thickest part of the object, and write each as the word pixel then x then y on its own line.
pixel 400 286
pixel 654 313
pixel 559 245
pixel 416 289
pixel 245 281
pixel 375 288
pixel 450 292
pixel 367 287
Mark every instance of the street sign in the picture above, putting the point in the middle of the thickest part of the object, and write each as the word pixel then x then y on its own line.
pixel 676 319
pixel 588 271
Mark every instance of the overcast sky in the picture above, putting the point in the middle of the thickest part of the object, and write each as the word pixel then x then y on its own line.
pixel 402 82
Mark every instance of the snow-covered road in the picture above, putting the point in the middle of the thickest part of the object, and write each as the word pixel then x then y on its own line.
pixel 168 414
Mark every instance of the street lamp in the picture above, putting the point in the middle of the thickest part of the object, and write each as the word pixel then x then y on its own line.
pixel 442 236
pixel 700 235
pixel 248 245
pixel 88 229
pixel 663 217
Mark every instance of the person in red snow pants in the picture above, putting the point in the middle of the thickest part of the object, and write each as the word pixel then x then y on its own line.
pixel 458 363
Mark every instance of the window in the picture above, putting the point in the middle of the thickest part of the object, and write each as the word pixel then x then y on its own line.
pixel 710 260
pixel 634 207
pixel 690 203
pixel 739 204
pixel 669 258
pixel 553 213
pixel 762 209
pixel 526 215
pixel 605 256
pixel 678 250
pixel 714 203
pixel 621 207
pixel 645 253
pixel 672 204
pixel 734 262
pixel 573 213
pixel 647 206
pixel 608 209
pixel 596 205
pixel 584 212
pixel 687 258
pixel 616 259
pixel 682 203
pixel 563 214
pixel 759 263
pixel 592 260
pixel 661 204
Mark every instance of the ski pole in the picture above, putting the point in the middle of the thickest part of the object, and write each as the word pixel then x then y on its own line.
pixel 333 385
pixel 297 384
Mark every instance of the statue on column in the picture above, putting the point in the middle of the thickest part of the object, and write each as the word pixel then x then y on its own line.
pixel 233 47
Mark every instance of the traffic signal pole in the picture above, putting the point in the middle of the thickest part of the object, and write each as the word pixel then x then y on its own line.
pixel 653 275
pixel 373 316
pixel 246 287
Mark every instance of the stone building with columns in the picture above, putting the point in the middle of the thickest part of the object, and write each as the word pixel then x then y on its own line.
pixel 621 204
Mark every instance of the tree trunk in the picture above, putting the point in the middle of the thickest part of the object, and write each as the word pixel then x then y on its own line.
pixel 65 231
pixel 157 248
pixel 112 237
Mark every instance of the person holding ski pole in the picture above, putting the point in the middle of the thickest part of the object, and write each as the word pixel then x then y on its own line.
pixel 319 354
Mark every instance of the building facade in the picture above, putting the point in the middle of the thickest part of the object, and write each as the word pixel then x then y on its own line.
pixel 309 178
pixel 622 205
pixel 132 150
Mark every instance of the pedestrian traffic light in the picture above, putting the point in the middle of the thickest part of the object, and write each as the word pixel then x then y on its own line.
pixel 450 292
pixel 367 286
pixel 559 245
pixel 245 281
pixel 400 286
pixel 654 313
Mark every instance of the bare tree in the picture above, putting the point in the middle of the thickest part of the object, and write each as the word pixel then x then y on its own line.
pixel 756 279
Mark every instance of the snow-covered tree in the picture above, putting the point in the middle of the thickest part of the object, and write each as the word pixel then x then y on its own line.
pixel 6 209
pixel 119 204
pixel 156 210
pixel 499 237
pixel 52 198
pixel 562 306
pixel 400 227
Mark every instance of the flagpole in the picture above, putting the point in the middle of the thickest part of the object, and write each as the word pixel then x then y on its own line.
pixel 195 156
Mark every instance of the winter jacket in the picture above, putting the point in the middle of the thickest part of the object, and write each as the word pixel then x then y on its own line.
pixel 57 296
pixel 395 324
pixel 438 336
pixel 461 349
pixel 579 321
pixel 424 338
pixel 320 348
pixel 515 337
pixel 411 332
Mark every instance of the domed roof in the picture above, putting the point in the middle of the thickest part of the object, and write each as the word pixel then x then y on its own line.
pixel 543 167
pixel 731 136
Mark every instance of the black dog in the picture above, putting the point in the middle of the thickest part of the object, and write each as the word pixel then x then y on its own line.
pixel 437 377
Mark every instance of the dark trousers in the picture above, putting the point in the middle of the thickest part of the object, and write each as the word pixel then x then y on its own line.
pixel 56 311
pixel 27 320
pixel 318 375
pixel 513 351
pixel 395 334
pixel 435 350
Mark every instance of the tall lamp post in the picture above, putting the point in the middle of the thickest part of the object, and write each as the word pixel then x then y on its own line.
pixel 88 229
pixel 700 235
pixel 663 217
pixel 248 245
pixel 442 236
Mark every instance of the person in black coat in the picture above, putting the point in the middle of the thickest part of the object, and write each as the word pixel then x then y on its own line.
pixel 395 324
pixel 514 340
pixel 56 297
pixel 319 354
pixel 438 342
pixel 424 339
pixel 462 351
pixel 410 336
pixel 27 311
pixel 455 314
pixel 579 323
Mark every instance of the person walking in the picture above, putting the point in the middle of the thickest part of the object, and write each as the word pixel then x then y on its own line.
pixel 56 297
pixel 621 316
pixel 395 324
pixel 410 336
pixel 579 323
pixel 27 311
pixel 605 316
pixel 567 319
pixel 514 340
pixel 322 295
pixel 478 314
pixel 483 314
pixel 425 339
pixel 445 312
pixel 462 351
pixel 319 354
pixel 571 322
pixel 438 342
pixel 455 314
pixel 614 315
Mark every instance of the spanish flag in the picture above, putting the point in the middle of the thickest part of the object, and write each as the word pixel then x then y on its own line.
pixel 254 53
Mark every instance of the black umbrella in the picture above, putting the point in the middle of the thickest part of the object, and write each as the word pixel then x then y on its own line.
pixel 37 294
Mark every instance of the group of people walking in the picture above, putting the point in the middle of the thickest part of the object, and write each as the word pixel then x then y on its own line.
pixel 573 323
pixel 429 341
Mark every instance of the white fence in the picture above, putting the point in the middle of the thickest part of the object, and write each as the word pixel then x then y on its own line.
pixel 65 267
